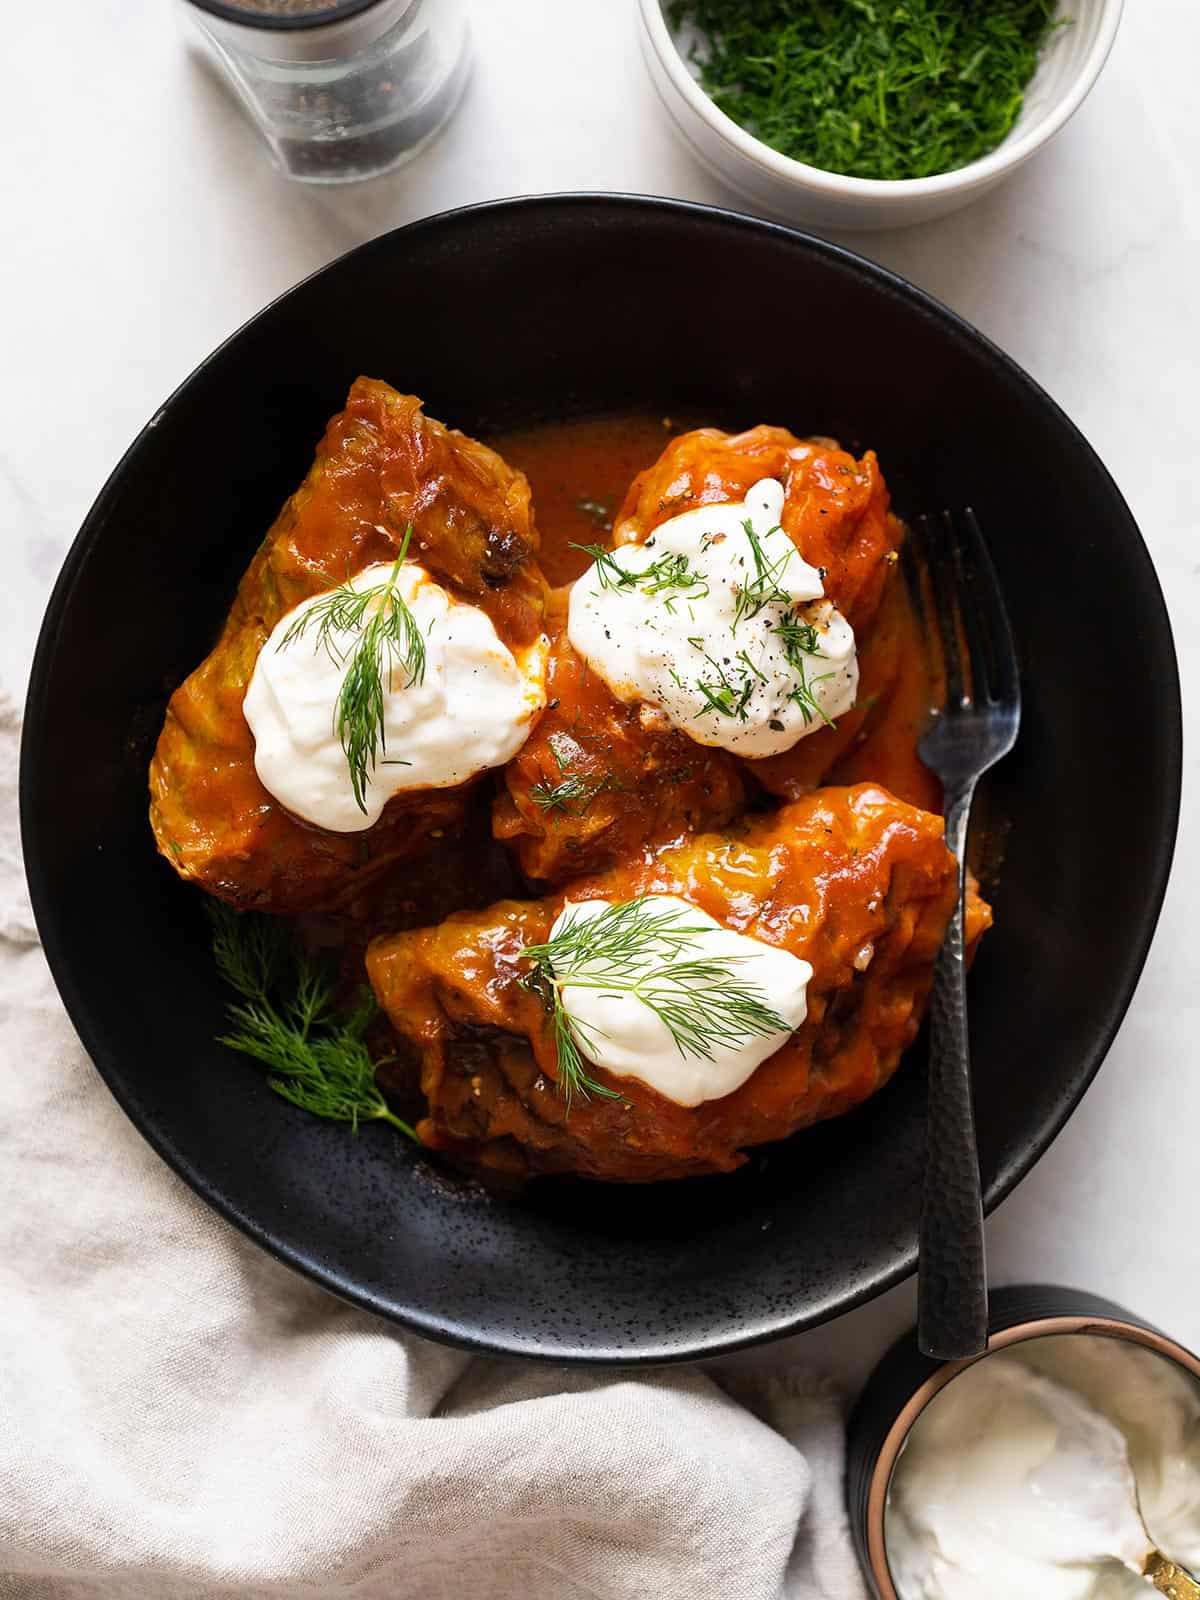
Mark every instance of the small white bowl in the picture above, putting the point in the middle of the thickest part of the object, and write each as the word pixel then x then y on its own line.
pixel 782 187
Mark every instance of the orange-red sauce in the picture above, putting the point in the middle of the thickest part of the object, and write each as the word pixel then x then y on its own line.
pixel 579 472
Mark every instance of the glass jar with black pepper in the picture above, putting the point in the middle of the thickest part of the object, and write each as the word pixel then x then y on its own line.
pixel 341 89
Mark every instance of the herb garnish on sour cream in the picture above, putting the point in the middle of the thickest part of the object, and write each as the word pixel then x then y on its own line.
pixel 718 622
pixel 385 683
pixel 387 637
pixel 658 990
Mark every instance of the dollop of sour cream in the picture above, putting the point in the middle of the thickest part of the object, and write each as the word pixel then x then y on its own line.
pixel 726 631
pixel 471 709
pixel 617 1030
pixel 1014 1482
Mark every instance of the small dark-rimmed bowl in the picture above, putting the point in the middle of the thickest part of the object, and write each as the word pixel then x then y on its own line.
pixel 905 1381
pixel 504 315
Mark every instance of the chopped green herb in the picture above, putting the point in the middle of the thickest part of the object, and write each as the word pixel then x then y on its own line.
pixel 724 698
pixel 799 639
pixel 573 796
pixel 611 573
pixel 870 88
pixel 803 696
pixel 728 695
pixel 673 571
pixel 751 668
pixel 763 588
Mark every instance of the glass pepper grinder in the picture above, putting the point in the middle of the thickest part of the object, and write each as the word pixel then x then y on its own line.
pixel 341 89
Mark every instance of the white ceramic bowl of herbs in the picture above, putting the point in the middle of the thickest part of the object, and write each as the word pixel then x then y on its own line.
pixel 871 113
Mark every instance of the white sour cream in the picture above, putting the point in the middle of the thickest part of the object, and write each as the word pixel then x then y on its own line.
pixel 620 1032
pixel 1157 1408
pixel 471 710
pixel 681 645
pixel 1017 1478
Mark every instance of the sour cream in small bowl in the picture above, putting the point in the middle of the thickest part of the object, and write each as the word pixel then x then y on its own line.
pixel 970 1480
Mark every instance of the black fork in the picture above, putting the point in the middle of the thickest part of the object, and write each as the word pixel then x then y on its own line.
pixel 951 572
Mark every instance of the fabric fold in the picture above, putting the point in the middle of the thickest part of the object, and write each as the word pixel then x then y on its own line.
pixel 181 1417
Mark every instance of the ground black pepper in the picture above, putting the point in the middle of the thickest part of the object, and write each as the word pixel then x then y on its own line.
pixel 392 74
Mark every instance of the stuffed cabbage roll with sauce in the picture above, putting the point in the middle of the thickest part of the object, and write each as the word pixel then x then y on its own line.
pixel 723 627
pixel 657 1019
pixel 385 647
pixel 837 511
pixel 835 508
pixel 600 777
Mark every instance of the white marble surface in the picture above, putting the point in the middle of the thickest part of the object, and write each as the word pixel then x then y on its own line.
pixel 143 223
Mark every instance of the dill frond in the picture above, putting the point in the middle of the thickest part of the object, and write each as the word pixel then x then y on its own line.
pixel 763 589
pixel 388 638
pixel 672 571
pixel 316 1055
pixel 701 1000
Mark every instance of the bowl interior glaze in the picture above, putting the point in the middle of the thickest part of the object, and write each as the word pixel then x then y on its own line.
pixel 501 315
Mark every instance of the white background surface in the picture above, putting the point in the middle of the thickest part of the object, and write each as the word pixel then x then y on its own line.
pixel 143 222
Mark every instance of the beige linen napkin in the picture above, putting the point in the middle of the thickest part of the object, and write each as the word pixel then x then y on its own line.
pixel 182 1417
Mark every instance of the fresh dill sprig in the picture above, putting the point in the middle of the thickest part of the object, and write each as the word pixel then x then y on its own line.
pixel 573 795
pixel 388 637
pixel 763 588
pixel 871 88
pixel 608 569
pixel 670 571
pixel 573 1075
pixel 316 1056
pixel 635 948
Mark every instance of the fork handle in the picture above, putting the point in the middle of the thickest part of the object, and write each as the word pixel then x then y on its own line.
pixel 952 1310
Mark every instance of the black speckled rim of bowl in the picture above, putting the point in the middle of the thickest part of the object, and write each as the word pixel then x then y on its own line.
pixel 905 1381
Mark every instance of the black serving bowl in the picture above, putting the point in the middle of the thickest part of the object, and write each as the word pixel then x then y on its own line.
pixel 906 1380
pixel 505 314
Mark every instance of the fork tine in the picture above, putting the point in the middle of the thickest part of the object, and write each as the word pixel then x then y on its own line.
pixel 988 603
pixel 934 559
